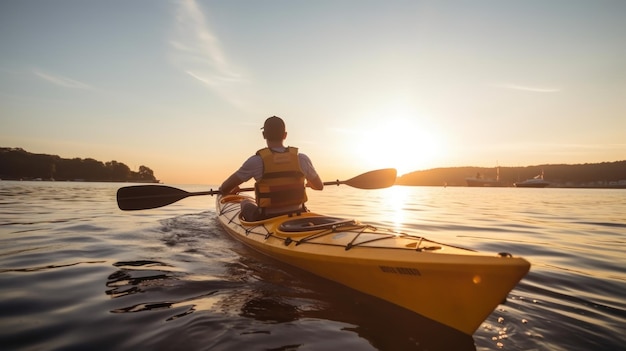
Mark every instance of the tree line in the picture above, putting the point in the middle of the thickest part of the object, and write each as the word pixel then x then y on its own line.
pixel 19 164
pixel 602 174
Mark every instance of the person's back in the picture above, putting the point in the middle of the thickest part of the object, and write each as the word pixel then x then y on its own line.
pixel 280 173
pixel 281 187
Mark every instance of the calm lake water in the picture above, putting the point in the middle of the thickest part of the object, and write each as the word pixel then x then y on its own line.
pixel 76 273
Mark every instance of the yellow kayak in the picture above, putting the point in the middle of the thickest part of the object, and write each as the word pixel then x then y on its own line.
pixel 454 286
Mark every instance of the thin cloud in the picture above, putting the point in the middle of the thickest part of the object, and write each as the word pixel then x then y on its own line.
pixel 198 53
pixel 62 81
pixel 528 88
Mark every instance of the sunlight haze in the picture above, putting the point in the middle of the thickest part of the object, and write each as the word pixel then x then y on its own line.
pixel 183 87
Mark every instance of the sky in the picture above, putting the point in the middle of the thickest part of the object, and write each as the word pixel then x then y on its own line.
pixel 183 87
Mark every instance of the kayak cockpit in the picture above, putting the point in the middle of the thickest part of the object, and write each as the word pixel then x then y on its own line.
pixel 308 224
pixel 312 228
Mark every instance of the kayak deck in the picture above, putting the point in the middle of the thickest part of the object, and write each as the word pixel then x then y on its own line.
pixel 454 286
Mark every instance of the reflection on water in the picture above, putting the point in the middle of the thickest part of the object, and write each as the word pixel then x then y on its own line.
pixel 77 273
pixel 152 279
pixel 254 287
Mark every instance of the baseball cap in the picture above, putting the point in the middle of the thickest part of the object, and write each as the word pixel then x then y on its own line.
pixel 274 128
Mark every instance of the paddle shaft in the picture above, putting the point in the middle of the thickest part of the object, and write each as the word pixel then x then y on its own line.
pixel 143 197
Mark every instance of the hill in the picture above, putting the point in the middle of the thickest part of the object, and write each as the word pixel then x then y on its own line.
pixel 605 174
pixel 18 164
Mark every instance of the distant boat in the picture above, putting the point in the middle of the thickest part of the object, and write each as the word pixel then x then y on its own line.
pixel 479 181
pixel 536 182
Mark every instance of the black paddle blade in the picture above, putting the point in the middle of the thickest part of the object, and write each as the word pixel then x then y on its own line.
pixel 143 197
pixel 382 178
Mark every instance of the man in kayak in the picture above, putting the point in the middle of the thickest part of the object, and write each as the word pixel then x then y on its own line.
pixel 280 173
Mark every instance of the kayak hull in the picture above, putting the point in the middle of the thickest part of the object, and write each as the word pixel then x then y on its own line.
pixel 454 286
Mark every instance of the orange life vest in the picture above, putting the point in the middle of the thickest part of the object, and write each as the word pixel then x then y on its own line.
pixel 282 183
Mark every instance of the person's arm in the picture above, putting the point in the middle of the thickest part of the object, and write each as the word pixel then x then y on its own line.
pixel 252 168
pixel 315 183
pixel 230 185
pixel 313 180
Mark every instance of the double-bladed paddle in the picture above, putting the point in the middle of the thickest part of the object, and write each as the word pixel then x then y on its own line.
pixel 143 197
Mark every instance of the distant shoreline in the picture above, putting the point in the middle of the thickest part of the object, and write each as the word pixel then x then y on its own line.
pixel 552 186
pixel 19 164
pixel 80 181
pixel 556 186
pixel 605 175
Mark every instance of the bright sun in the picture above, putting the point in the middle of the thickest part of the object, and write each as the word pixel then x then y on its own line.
pixel 399 142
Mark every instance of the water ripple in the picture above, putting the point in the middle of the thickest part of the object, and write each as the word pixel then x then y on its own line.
pixel 77 273
pixel 48 267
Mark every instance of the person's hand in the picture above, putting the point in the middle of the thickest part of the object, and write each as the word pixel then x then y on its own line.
pixel 234 191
